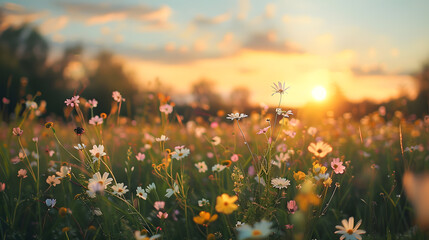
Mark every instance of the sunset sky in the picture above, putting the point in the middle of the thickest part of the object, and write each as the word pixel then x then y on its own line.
pixel 368 48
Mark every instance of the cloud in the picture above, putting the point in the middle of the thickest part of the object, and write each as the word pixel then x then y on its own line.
pixel 268 42
pixel 270 10
pixel 170 53
pixel 58 38
pixel 94 13
pixel 203 20
pixel 12 14
pixel 227 43
pixel 324 39
pixel 118 38
pixel 156 26
pixel 13 7
pixel 243 9
pixel 200 45
pixel 300 20
pixel 369 70
pixel 54 24
pixel 105 30
pixel 107 17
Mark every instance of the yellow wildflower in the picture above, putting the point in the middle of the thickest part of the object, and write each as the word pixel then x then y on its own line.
pixel 327 182
pixel 306 199
pixel 225 204
pixel 320 149
pixel 318 168
pixel 205 218
pixel 299 176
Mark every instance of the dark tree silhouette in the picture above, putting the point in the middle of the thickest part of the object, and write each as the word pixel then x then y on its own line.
pixel 420 105
pixel 205 96
pixel 239 98
pixel 110 76
pixel 23 53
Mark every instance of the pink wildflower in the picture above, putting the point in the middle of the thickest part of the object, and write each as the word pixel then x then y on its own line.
pixel 2 187
pixel 159 205
pixel 140 156
pixel 263 130
pixel 289 226
pixel 117 97
pixel 22 173
pixel 234 157
pixel 251 171
pixel 92 103
pixel 96 120
pixel 15 160
pixel 337 165
pixel 166 108
pixel 17 131
pixel 74 101
pixel 52 180
pixel 162 215
pixel 291 206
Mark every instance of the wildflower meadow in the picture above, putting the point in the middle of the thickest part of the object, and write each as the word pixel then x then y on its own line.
pixel 264 174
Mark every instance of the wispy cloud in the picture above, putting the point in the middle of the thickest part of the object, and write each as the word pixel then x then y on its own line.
pixel 269 41
pixel 369 70
pixel 270 10
pixel 15 15
pixel 94 13
pixel 228 42
pixel 53 25
pixel 243 9
pixel 203 20
pixel 301 20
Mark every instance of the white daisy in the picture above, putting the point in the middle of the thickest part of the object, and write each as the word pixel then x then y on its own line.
pixel 163 138
pixel 150 187
pixel 119 189
pixel 280 183
pixel 141 193
pixel 238 116
pixel 259 230
pixel 281 89
pixel 348 231
pixel 180 153
pixel 170 191
pixel 218 168
pixel 201 166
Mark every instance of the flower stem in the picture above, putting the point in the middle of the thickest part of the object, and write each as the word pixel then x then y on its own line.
pixel 17 202
pixel 245 141
pixel 28 161
pixel 59 142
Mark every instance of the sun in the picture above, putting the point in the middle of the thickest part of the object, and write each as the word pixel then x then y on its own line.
pixel 319 93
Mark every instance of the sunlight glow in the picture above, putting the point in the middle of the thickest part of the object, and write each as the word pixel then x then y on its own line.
pixel 319 93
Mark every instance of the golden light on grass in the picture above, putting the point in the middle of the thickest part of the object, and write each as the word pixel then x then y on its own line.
pixel 319 93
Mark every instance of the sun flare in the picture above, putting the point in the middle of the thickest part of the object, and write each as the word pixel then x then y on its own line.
pixel 319 93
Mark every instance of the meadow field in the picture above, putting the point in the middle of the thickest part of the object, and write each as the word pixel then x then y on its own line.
pixel 264 174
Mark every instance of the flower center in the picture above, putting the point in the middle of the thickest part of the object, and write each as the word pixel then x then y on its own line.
pixel 335 165
pixel 319 150
pixel 226 204
pixel 256 232
pixel 350 231
pixel 119 190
